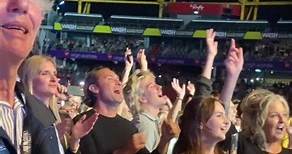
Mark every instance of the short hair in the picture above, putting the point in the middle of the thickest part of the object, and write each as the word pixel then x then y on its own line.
pixel 255 108
pixel 91 78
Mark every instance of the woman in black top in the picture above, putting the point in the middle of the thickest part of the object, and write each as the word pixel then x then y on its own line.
pixel 264 121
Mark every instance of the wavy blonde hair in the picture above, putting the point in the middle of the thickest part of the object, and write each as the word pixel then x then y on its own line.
pixel 133 90
pixel 29 70
pixel 255 109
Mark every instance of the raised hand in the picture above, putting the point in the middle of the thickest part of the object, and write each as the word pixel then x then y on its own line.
pixel 180 90
pixel 191 88
pixel 211 53
pixel 212 45
pixel 233 64
pixel 83 126
pixel 80 129
pixel 234 60
pixel 129 62
pixel 128 58
pixel 142 60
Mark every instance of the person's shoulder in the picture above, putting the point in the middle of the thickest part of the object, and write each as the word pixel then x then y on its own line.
pixel 246 146
pixel 5 143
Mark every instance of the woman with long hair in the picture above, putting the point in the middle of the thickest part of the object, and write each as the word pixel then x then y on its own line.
pixel 39 75
pixel 264 123
pixel 205 121
pixel 204 125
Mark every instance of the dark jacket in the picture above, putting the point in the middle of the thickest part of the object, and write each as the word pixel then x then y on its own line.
pixel 39 137
pixel 5 144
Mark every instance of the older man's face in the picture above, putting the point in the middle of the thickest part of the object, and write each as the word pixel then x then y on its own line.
pixel 20 21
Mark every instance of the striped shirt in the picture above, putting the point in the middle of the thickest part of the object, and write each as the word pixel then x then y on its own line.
pixel 11 120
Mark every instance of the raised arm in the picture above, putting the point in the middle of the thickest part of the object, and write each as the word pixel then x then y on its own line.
pixel 142 60
pixel 234 65
pixel 204 83
pixel 211 53
pixel 191 89
pixel 129 61
pixel 180 92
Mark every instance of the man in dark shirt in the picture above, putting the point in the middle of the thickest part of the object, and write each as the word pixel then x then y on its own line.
pixel 111 133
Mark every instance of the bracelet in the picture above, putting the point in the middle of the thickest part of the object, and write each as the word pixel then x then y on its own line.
pixel 179 99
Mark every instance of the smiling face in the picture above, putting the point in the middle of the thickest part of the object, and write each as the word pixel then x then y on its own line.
pixel 45 83
pixel 217 125
pixel 20 21
pixel 276 123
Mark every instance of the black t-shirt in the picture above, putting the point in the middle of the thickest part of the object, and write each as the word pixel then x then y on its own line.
pixel 245 146
pixel 108 134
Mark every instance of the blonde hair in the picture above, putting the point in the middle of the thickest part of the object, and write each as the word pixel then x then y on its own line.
pixel 29 70
pixel 133 90
pixel 255 109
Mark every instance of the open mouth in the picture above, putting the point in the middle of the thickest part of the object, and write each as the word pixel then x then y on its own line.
pixel 24 30
pixel 280 128
pixel 117 91
pixel 223 129
pixel 160 94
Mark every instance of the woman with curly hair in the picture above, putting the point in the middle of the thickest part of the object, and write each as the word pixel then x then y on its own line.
pixel 264 123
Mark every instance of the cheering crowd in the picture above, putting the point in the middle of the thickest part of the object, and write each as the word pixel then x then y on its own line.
pixel 128 115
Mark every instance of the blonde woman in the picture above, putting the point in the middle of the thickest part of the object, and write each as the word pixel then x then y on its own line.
pixel 264 123
pixel 39 76
pixel 145 98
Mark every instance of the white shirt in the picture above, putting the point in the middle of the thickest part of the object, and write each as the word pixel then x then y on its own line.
pixel 11 120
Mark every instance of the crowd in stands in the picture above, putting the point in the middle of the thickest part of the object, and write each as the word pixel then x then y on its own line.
pixel 265 50
pixel 106 44
pixel 131 114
